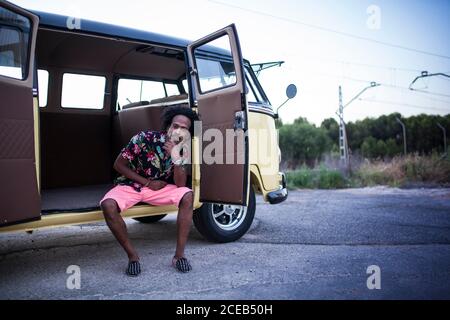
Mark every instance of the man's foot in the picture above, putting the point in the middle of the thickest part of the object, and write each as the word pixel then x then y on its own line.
pixel 181 264
pixel 134 269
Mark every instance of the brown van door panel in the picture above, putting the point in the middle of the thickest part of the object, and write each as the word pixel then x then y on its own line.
pixel 222 106
pixel 20 199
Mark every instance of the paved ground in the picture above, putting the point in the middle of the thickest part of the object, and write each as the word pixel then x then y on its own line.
pixel 316 245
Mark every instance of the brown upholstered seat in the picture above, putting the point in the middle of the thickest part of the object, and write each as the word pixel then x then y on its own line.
pixel 178 98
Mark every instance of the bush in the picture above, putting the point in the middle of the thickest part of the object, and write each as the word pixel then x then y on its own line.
pixel 322 178
pixel 401 171
pixel 331 179
pixel 404 170
pixel 371 175
pixel 302 178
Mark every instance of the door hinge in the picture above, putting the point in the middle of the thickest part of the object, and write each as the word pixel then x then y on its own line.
pixel 192 71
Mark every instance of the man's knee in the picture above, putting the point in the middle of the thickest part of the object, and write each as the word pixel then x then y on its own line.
pixel 187 201
pixel 110 208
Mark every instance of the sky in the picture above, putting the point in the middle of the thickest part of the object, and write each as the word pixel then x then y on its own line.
pixel 324 44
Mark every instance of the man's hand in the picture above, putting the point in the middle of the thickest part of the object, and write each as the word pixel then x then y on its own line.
pixel 178 144
pixel 168 147
pixel 155 184
pixel 174 150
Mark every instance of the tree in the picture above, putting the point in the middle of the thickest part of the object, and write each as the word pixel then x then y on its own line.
pixel 303 143
pixel 331 126
pixel 278 123
pixel 368 147
pixel 392 148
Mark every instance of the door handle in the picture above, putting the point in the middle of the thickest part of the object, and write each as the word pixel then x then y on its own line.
pixel 239 120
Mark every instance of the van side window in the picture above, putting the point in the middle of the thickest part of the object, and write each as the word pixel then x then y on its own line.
pixel 215 71
pixel 172 89
pixel 43 87
pixel 132 90
pixel 14 38
pixel 185 85
pixel 81 91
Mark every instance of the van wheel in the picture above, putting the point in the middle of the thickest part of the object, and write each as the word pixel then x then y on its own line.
pixel 224 223
pixel 150 219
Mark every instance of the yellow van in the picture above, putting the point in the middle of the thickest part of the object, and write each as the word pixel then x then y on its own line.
pixel 72 94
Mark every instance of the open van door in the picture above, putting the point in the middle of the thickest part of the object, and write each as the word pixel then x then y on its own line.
pixel 217 78
pixel 19 195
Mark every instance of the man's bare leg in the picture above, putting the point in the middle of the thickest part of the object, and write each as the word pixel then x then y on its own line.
pixel 184 221
pixel 118 227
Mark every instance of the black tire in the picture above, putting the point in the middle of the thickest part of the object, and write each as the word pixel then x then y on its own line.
pixel 150 219
pixel 210 228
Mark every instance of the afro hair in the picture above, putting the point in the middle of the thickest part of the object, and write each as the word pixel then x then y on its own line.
pixel 175 110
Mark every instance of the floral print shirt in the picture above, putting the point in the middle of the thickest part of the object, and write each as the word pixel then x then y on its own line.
pixel 146 157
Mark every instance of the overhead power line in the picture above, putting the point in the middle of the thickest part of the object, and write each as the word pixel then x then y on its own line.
pixel 433 93
pixel 346 34
pixel 403 104
pixel 359 64
pixel 384 85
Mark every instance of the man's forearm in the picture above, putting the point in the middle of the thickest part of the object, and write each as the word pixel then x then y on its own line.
pixel 121 167
pixel 130 174
pixel 179 176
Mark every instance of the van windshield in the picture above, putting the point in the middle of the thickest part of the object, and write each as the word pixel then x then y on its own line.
pixel 254 94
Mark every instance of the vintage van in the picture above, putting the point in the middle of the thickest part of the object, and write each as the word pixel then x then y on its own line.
pixel 72 94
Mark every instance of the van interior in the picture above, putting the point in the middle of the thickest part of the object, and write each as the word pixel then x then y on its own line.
pixel 95 93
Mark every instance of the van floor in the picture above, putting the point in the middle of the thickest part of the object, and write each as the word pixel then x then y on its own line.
pixel 63 200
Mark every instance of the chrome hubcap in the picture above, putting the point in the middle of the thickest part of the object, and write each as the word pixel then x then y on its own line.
pixel 228 217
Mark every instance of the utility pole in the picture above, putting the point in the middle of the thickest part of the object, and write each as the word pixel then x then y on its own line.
pixel 342 135
pixel 404 134
pixel 445 137
pixel 343 142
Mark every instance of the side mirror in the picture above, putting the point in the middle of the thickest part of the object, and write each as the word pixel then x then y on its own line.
pixel 291 92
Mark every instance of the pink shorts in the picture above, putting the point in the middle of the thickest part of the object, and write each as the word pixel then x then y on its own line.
pixel 126 196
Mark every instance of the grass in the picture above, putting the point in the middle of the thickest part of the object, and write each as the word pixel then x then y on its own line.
pixel 321 178
pixel 399 172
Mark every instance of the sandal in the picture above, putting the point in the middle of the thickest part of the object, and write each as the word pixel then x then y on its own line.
pixel 134 269
pixel 181 264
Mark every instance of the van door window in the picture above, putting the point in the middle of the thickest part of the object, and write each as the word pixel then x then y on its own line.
pixel 14 38
pixel 215 71
pixel 81 91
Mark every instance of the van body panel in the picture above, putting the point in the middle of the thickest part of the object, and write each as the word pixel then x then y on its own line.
pixel 19 189
pixel 37 141
pixel 65 23
pixel 65 219
pixel 264 150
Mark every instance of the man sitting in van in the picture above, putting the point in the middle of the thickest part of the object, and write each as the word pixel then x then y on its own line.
pixel 152 171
